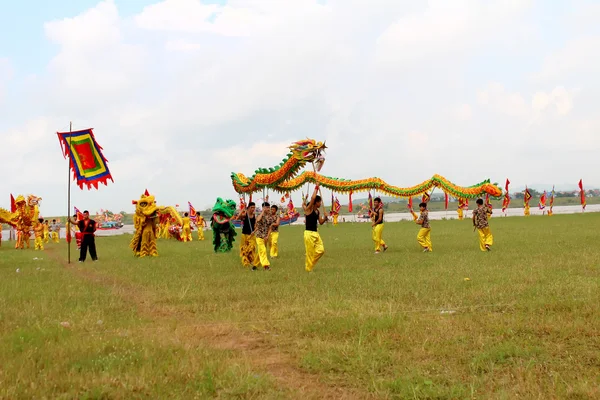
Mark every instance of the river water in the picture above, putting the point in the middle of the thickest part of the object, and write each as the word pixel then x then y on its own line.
pixel 391 217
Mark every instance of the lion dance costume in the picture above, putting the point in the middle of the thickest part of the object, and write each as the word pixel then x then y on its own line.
pixel 223 230
pixel 26 212
pixel 145 220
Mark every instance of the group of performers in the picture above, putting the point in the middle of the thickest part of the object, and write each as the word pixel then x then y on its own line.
pixel 168 228
pixel 260 235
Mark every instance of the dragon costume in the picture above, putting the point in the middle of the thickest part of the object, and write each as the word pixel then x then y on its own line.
pixel 26 213
pixel 223 230
pixel 284 178
pixel 145 220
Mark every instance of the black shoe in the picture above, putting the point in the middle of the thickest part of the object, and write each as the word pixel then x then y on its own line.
pixel 254 268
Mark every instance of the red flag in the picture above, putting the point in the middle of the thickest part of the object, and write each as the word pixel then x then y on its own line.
pixel 582 194
pixel 242 203
pixel 350 202
pixel 542 203
pixel 78 214
pixel 507 183
pixel 370 202
pixel 332 203
pixel 446 200
pixel 552 198
pixel 505 202
pixel 290 206
pixel 13 205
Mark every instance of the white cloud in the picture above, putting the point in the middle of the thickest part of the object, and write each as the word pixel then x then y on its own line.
pixel 6 73
pixel 446 28
pixel 184 93
pixel 182 45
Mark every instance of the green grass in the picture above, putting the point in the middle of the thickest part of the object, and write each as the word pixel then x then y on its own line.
pixel 403 324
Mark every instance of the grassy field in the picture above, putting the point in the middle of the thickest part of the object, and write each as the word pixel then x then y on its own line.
pixel 402 324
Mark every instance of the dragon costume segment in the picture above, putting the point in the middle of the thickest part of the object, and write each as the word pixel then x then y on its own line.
pixel 145 221
pixel 284 178
pixel 223 230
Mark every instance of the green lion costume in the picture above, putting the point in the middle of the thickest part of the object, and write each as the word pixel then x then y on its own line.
pixel 223 230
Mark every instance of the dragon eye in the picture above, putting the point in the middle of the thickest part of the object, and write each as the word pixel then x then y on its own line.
pixel 143 204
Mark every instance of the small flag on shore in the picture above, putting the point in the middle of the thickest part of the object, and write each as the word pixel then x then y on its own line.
pixel 582 194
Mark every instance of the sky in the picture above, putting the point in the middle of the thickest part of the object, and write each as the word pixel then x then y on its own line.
pixel 181 93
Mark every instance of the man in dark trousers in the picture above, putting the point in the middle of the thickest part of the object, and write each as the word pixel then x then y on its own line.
pixel 87 227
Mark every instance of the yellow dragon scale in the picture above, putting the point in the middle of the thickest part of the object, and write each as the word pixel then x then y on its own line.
pixel 283 178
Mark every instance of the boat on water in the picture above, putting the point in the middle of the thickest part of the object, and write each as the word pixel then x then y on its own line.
pixel 110 225
pixel 285 220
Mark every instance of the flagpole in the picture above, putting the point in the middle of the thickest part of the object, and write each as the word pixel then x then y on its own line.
pixel 69 193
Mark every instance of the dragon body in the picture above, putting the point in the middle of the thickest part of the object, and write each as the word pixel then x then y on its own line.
pixel 223 229
pixel 284 178
pixel 145 222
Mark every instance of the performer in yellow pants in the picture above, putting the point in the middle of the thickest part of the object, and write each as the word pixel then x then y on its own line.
pixel 54 230
pixel 377 225
pixel 274 236
pixel 424 236
pixel 46 232
pixel 200 224
pixel 186 233
pixel 480 221
pixel 248 243
pixel 312 240
pixel 262 231
pixel 38 230
pixel 460 213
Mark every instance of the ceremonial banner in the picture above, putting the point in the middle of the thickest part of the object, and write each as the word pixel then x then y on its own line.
pixel 426 198
pixel 527 196
pixel 78 214
pixel 337 206
pixel 193 214
pixel 582 194
pixel 85 154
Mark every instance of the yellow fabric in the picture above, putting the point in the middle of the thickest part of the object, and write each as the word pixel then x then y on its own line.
pixel 186 232
pixel 38 230
pixel 335 219
pixel 526 211
pixel 261 246
pixel 314 249
pixel 248 251
pixel 55 237
pixel 273 244
pixel 377 237
pixel 200 223
pixel 485 237
pixel 424 238
pixel 460 213
pixel 46 233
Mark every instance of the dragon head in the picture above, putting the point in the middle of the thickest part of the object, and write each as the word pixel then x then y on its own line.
pixel 226 207
pixel 33 200
pixel 145 206
pixel 309 150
